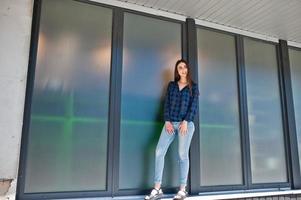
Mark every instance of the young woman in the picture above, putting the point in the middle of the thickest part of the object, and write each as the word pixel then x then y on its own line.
pixel 180 107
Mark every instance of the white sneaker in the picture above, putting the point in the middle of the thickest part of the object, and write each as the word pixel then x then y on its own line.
pixel 155 194
pixel 180 195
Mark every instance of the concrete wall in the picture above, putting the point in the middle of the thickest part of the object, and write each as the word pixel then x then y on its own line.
pixel 15 31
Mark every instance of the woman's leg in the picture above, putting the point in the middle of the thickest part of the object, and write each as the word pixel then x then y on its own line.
pixel 183 151
pixel 162 147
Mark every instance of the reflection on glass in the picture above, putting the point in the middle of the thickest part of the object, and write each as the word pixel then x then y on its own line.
pixel 220 149
pixel 67 148
pixel 264 113
pixel 295 65
pixel 149 55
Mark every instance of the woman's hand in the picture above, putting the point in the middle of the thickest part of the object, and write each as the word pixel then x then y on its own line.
pixel 169 127
pixel 183 128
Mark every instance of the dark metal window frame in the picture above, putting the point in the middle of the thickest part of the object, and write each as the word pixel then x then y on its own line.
pixel 27 113
pixel 118 81
pixel 189 52
pixel 281 93
pixel 244 128
pixel 290 124
pixel 198 188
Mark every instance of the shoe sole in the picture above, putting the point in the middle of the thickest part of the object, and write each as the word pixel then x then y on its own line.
pixel 180 199
pixel 160 196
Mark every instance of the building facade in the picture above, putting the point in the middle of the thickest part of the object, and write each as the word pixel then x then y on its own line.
pixel 96 80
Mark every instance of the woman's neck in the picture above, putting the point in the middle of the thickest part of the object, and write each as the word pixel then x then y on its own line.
pixel 183 80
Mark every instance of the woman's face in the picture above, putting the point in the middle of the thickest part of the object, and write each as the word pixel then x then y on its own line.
pixel 182 70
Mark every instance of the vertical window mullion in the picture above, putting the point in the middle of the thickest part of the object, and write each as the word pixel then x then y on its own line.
pixel 117 38
pixel 195 146
pixel 243 107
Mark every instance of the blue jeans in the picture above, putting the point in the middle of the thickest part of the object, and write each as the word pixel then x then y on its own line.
pixel 183 150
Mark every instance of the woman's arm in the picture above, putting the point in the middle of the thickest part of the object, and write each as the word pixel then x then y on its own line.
pixel 167 103
pixel 192 109
pixel 168 124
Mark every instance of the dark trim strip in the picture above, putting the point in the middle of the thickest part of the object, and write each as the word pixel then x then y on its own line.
pixel 192 59
pixel 115 63
pixel 117 81
pixel 283 116
pixel 243 107
pixel 184 40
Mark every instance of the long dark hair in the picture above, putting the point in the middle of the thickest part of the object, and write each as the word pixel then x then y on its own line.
pixel 177 75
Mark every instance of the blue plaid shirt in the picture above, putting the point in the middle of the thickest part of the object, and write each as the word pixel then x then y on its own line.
pixel 180 105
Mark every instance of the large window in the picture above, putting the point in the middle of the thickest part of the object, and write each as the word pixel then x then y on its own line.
pixel 295 66
pixel 149 56
pixel 267 150
pixel 220 141
pixel 67 149
pixel 70 123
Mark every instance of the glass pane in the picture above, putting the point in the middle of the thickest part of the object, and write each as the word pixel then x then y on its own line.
pixel 264 113
pixel 295 65
pixel 67 148
pixel 220 144
pixel 149 56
